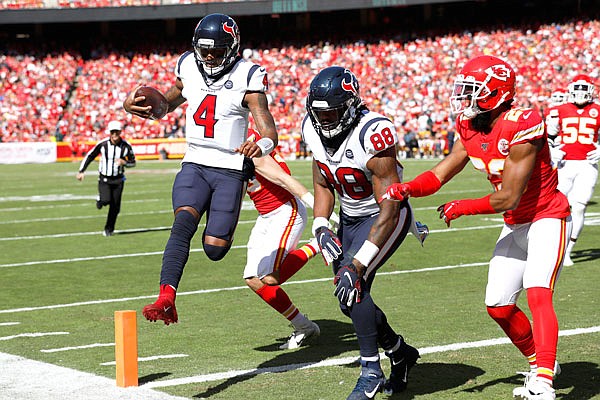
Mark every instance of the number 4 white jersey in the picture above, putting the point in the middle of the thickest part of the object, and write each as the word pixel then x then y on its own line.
pixel 216 121
pixel 346 171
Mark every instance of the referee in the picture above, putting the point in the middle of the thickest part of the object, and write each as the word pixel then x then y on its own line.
pixel 115 154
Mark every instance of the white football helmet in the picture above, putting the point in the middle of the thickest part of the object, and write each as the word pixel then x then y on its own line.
pixel 581 90
pixel 557 98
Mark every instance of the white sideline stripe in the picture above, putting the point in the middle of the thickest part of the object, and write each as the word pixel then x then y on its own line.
pixel 33 334
pixel 153 253
pixel 62 235
pixel 69 218
pixel 9 323
pixel 345 360
pixel 247 205
pixel 24 379
pixel 204 291
pixel 29 208
pixel 142 359
pixel 86 346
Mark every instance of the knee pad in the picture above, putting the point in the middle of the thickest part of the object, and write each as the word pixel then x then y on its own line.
pixel 215 253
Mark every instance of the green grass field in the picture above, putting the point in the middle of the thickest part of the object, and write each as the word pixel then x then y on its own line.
pixel 63 280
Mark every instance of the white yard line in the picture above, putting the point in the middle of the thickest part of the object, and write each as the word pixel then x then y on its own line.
pixel 346 360
pixel 152 358
pixel 53 382
pixel 204 291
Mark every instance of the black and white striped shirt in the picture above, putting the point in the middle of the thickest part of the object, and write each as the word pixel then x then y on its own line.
pixel 109 158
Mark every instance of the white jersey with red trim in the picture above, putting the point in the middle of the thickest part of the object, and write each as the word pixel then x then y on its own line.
pixel 216 120
pixel 488 152
pixel 346 170
pixel 577 128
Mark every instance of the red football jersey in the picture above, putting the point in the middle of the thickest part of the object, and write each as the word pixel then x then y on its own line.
pixel 578 129
pixel 488 152
pixel 266 195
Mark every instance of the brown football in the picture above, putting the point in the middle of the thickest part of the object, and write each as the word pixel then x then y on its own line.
pixel 154 98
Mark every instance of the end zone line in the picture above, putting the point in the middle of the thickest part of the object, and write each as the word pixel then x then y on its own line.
pixel 345 360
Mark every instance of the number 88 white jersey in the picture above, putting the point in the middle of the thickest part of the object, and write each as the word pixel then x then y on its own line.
pixel 346 171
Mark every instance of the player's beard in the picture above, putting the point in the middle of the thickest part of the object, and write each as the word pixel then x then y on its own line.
pixel 481 122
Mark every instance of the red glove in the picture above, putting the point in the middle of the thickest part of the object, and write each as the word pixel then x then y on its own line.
pixel 423 185
pixel 456 208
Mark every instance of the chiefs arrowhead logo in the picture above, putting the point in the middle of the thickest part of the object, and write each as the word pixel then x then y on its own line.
pixel 350 83
pixel 499 71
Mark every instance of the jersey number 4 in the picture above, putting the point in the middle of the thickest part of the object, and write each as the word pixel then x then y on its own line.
pixel 205 115
pixel 348 181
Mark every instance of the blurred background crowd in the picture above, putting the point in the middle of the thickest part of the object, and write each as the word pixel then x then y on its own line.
pixel 56 91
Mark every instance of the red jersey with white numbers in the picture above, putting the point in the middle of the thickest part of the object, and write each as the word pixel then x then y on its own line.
pixel 578 129
pixel 266 195
pixel 488 152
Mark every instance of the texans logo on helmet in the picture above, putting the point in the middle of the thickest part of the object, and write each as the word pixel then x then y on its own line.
pixel 230 29
pixel 350 86
pixel 499 71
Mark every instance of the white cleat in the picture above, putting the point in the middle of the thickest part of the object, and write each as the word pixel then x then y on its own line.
pixel 567 262
pixel 534 389
pixel 299 336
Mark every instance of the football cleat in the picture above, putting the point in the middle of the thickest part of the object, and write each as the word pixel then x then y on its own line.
pixel 163 308
pixel 534 389
pixel 370 382
pixel 402 360
pixel 107 233
pixel 299 336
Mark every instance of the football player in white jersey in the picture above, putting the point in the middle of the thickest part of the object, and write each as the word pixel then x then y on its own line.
pixel 354 155
pixel 221 89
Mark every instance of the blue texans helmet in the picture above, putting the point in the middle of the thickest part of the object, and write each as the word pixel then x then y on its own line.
pixel 333 102
pixel 216 44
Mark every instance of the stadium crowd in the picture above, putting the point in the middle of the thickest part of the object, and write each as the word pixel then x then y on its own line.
pixel 61 96
pixel 30 4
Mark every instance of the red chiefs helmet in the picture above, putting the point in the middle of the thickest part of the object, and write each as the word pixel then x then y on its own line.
pixel 581 90
pixel 484 83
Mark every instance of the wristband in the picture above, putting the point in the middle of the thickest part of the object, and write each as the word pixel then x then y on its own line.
pixel 424 185
pixel 318 223
pixel 308 199
pixel 266 145
pixel 366 253
pixel 476 206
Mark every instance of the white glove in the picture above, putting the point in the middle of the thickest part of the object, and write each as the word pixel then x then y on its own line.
pixel 593 156
pixel 556 155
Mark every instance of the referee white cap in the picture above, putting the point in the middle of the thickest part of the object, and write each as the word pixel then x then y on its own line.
pixel 114 126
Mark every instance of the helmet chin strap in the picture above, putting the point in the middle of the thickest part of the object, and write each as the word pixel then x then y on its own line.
pixel 472 112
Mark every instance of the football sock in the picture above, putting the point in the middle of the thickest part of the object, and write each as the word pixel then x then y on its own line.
pixel 578 216
pixel 386 336
pixel 300 321
pixel 516 325
pixel 532 360
pixel 277 298
pixel 364 319
pixel 177 249
pixel 370 362
pixel 545 330
pixel 570 246
pixel 168 292
pixel 295 260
